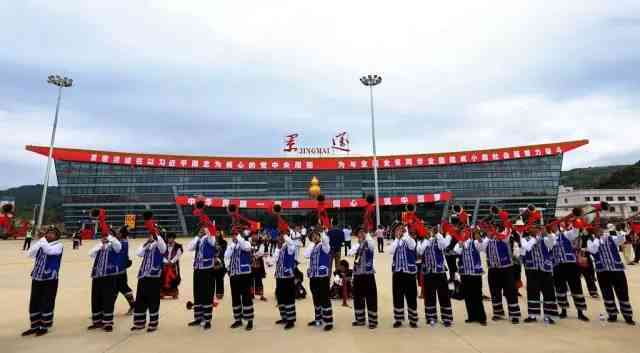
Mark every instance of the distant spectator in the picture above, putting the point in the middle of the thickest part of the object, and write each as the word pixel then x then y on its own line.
pixel 347 239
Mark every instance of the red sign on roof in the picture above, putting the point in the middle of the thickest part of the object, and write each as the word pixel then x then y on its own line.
pixel 334 163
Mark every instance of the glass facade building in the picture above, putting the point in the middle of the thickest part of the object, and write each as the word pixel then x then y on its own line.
pixel 124 189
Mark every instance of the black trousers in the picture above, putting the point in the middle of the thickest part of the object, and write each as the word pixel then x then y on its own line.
pixel 218 282
pixel 347 246
pixel 241 297
pixel 27 244
pixel 452 265
pixel 256 283
pixel 636 250
pixel 122 285
pixel 42 303
pixel 614 284
pixel 321 302
pixel 104 292
pixel 436 290
pixel 589 274
pixel 286 298
pixel 567 276
pixel 365 297
pixel 203 286
pixel 147 299
pixel 404 288
pixel 472 292
pixel 540 282
pixel 380 244
pixel 502 283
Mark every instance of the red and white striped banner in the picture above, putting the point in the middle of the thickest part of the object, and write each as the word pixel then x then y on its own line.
pixel 311 204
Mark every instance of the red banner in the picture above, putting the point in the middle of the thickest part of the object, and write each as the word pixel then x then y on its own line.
pixel 311 204
pixel 333 163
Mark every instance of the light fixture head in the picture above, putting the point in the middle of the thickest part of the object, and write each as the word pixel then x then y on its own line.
pixel 371 80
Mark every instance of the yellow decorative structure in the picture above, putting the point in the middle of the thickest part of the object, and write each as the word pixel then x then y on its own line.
pixel 314 187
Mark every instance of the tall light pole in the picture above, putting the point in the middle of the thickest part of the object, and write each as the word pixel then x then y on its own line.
pixel 61 82
pixel 370 81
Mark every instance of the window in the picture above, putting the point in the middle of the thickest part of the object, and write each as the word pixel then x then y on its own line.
pixel 609 198
pixel 621 198
pixel 632 198
pixel 596 198
pixel 612 209
pixel 566 201
pixel 587 198
pixel 634 208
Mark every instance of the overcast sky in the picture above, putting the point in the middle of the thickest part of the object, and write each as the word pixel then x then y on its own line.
pixel 234 77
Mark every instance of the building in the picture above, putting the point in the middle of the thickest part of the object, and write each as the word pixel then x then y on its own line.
pixel 127 183
pixel 623 202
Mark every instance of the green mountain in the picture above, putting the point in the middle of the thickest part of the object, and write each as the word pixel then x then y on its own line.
pixel 627 177
pixel 588 178
pixel 27 196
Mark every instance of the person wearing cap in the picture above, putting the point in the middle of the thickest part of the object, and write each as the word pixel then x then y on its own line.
pixel 365 291
pixel 124 262
pixel 471 272
pixel 104 292
pixel 204 246
pixel 47 253
pixel 603 246
pixel 148 289
pixel 319 254
pixel 285 253
pixel 434 267
pixel 566 274
pixel 238 262
pixel 500 274
pixel 403 266
pixel 538 264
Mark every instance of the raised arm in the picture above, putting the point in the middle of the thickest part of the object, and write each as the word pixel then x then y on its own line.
pixel 443 242
pixel 162 246
pixel 193 244
pixel 325 242
pixel 114 243
pixel 33 250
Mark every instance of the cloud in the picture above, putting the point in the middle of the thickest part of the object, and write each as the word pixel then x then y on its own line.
pixel 231 78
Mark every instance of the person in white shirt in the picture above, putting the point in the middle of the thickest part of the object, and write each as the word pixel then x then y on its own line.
pixel 47 255
pixel 379 235
pixel 347 239
pixel 610 271
pixel 238 262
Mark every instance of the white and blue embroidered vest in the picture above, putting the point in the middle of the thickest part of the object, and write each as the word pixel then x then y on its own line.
pixel 106 263
pixel 240 263
pixel 607 258
pixel 404 259
pixel 470 262
pixel 538 258
pixel 205 255
pixel 433 259
pixel 363 265
pixel 319 262
pixel 563 251
pixel 499 254
pixel 151 265
pixel 285 263
pixel 46 267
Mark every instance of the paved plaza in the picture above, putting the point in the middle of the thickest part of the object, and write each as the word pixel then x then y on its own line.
pixel 69 334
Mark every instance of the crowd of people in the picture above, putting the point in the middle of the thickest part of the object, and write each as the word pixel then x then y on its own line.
pixel 434 264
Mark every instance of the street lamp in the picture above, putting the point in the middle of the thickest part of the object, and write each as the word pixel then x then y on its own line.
pixel 61 82
pixel 370 81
